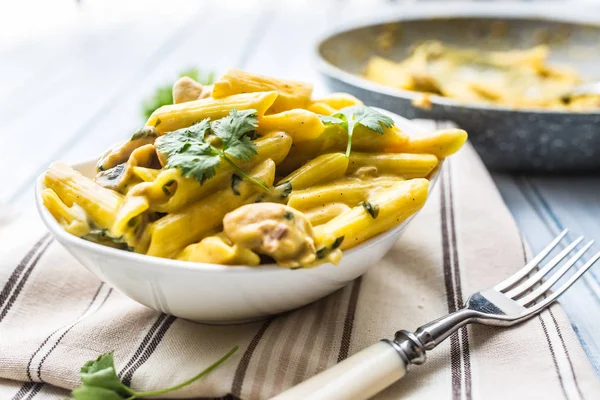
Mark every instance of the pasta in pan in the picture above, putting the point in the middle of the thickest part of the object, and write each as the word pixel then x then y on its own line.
pixel 252 170
pixel 515 78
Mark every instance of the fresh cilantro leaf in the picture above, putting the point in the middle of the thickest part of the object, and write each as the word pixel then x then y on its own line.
pixel 199 161
pixel 349 117
pixel 100 380
pixel 329 120
pixel 188 150
pixel 163 95
pixel 233 130
pixel 182 139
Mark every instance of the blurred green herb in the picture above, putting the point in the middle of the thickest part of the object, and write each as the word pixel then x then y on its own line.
pixel 163 95
pixel 100 380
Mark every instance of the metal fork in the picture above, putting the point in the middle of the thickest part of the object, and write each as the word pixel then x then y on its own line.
pixel 514 300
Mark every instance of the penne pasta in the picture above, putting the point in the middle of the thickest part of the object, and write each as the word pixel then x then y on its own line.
pixel 298 123
pixel 405 165
pixel 322 169
pixel 100 204
pixel 172 117
pixel 218 249
pixel 394 205
pixel 175 231
pixel 321 108
pixel 349 192
pixel 73 219
pixel 442 143
pixel 334 139
pixel 132 207
pixel 339 100
pixel 327 212
pixel 292 94
pixel 146 174
pixel 197 182
pixel 170 191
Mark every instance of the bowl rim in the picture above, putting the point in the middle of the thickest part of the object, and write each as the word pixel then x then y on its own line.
pixel 65 237
pixel 421 12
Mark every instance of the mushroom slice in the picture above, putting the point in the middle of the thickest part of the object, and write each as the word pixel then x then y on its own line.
pixel 272 229
pixel 120 152
pixel 117 177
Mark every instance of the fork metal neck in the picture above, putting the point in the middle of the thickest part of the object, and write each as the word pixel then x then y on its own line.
pixel 412 346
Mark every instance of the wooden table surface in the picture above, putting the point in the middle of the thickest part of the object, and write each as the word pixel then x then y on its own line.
pixel 73 75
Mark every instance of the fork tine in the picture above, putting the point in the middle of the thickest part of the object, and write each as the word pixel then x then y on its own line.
pixel 542 304
pixel 530 282
pixel 517 276
pixel 555 277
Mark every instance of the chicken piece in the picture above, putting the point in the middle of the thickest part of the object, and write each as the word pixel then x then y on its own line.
pixel 119 153
pixel 186 89
pixel 274 230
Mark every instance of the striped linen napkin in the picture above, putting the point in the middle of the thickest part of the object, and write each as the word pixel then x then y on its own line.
pixel 54 316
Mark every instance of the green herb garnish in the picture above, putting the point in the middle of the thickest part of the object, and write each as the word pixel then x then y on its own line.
pixel 100 380
pixel 324 251
pixel 188 150
pixel 288 215
pixel 235 183
pixel 284 189
pixel 349 117
pixel 371 208
pixel 163 95
pixel 144 132
pixel 337 243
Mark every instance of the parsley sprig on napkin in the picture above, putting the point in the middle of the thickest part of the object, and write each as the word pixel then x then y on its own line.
pixel 188 150
pixel 100 380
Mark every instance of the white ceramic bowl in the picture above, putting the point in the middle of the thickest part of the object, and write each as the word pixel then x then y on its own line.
pixel 212 293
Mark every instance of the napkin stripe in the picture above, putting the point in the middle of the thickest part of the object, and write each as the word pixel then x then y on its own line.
pixel 545 331
pixel 60 338
pixel 26 388
pixel 144 343
pixel 460 360
pixel 313 334
pixel 553 354
pixel 35 353
pixel 16 274
pixel 150 349
pixel 564 346
pixel 290 342
pixel 29 388
pixel 23 280
pixel 456 373
pixel 242 368
pixel 330 331
pixel 349 321
pixel 463 332
pixel 260 375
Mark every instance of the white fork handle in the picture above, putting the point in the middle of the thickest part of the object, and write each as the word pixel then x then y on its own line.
pixel 358 377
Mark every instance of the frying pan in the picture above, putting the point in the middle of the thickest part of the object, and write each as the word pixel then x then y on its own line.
pixel 506 138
